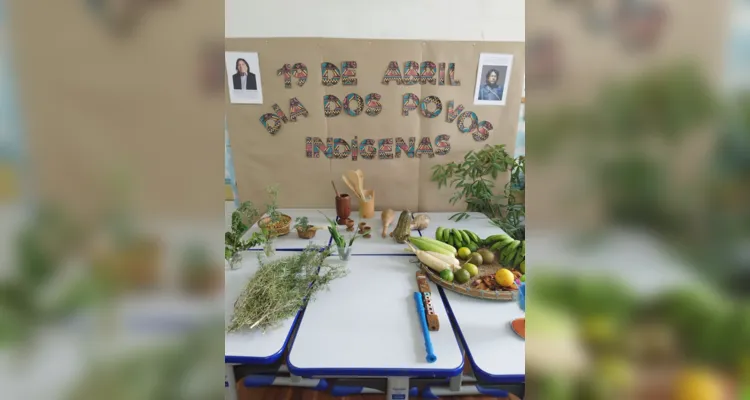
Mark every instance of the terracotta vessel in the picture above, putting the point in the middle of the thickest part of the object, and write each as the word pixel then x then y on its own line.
pixel 343 208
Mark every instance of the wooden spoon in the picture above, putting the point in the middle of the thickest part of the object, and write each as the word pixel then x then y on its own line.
pixel 350 178
pixel 361 185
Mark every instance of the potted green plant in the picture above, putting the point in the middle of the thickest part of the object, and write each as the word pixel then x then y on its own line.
pixel 275 222
pixel 343 245
pixel 304 229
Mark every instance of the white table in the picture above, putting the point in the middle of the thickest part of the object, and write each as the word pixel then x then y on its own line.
pixel 367 326
pixel 250 347
pixel 496 353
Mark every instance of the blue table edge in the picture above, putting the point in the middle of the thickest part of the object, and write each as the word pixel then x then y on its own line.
pixel 481 375
pixel 375 372
pixel 231 359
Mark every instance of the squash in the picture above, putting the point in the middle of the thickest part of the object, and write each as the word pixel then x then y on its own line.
pixel 387 216
pixel 403 227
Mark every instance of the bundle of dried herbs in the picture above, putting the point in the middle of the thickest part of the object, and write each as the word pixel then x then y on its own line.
pixel 279 288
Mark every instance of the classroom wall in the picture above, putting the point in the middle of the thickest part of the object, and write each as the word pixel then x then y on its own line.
pixel 498 25
pixel 490 20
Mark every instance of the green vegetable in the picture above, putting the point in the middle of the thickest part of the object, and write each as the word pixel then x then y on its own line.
pixel 429 245
pixel 462 276
pixel 446 275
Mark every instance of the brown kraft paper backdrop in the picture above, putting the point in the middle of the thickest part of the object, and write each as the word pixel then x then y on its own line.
pixel 262 159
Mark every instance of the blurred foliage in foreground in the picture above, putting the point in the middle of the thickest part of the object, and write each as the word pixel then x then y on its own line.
pixel 635 143
pixel 634 347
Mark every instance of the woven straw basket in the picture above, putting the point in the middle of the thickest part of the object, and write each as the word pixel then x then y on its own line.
pixel 466 290
pixel 282 228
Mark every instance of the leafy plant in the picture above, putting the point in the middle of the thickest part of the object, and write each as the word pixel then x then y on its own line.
pixel 249 213
pixel 233 242
pixel 474 180
pixel 302 223
pixel 272 208
pixel 336 235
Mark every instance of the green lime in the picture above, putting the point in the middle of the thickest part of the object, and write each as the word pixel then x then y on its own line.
pixel 472 269
pixel 523 278
pixel 447 275
pixel 476 259
pixel 462 275
pixel 464 253
pixel 522 267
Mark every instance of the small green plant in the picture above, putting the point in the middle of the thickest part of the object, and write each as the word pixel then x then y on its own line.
pixel 474 181
pixel 338 239
pixel 302 223
pixel 249 213
pixel 272 208
pixel 233 242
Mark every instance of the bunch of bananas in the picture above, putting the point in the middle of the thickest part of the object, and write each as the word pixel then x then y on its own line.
pixel 511 252
pixel 458 238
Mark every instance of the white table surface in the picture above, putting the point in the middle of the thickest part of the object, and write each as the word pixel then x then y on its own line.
pixel 253 345
pixel 368 321
pixel 493 347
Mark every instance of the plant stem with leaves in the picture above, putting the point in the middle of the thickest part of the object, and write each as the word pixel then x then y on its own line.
pixel 474 180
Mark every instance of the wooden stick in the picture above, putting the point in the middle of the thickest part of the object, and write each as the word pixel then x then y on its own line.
pixel 334 188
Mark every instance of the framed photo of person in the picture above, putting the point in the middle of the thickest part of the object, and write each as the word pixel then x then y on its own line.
pixel 493 76
pixel 243 78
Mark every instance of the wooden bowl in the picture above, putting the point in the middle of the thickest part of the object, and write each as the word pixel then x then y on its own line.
pixel 280 228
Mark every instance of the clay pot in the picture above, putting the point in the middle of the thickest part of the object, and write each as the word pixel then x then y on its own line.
pixel 349 224
pixel 343 208
pixel 306 234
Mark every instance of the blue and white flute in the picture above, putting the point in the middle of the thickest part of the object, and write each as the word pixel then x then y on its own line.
pixel 423 320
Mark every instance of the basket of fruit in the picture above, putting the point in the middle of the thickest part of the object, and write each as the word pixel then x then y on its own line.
pixel 470 273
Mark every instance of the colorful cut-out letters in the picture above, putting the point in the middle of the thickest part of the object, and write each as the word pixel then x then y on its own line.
pixel 423 73
pixel 386 148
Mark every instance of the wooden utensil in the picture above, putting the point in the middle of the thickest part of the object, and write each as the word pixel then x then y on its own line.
pixel 334 188
pixel 361 185
pixel 350 178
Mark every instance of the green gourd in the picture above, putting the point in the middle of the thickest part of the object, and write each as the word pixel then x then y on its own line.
pixel 403 227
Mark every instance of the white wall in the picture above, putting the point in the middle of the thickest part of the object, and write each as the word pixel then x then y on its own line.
pixel 490 20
